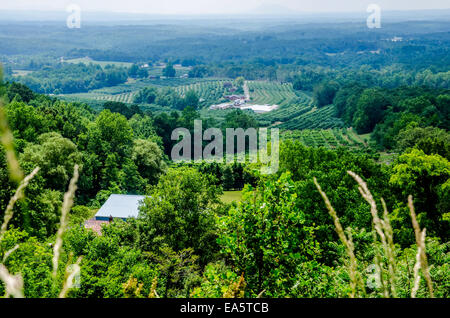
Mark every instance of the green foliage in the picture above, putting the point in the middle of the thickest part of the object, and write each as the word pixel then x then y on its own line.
pixel 79 214
pixel 191 99
pixel 143 128
pixel 426 178
pixel 169 71
pixel 167 97
pixel 305 79
pixel 239 119
pixel 324 93
pixel 39 213
pixel 121 108
pixel 346 99
pixel 330 168
pixel 72 78
pixel 178 270
pixel 199 71
pixel 6 190
pixel 322 118
pixel 386 133
pixel 111 133
pixel 19 92
pixel 430 140
pixel 315 280
pixel 208 92
pixel 56 156
pixel 106 265
pixel 216 281
pixel 369 110
pixel 438 255
pixel 266 237
pixel 26 122
pixel 229 176
pixel 386 112
pixel 146 96
pixel 324 138
pixel 137 72
pixel 239 81
pixel 33 259
pixel 179 212
pixel 148 158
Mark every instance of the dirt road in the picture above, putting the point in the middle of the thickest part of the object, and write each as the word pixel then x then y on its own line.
pixel 246 91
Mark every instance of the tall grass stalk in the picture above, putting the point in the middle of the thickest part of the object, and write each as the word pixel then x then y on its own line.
pixel 5 257
pixel 383 229
pixel 70 275
pixel 13 283
pixel 385 233
pixel 390 248
pixel 7 139
pixel 153 292
pixel 67 205
pixel 348 244
pixel 421 257
pixel 17 196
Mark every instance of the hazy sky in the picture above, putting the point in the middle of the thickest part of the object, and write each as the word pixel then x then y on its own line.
pixel 222 6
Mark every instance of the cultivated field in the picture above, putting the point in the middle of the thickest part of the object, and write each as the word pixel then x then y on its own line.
pixel 296 110
pixel 271 93
pixel 209 92
pixel 328 138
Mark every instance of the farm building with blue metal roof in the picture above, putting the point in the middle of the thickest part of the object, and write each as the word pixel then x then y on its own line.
pixel 120 206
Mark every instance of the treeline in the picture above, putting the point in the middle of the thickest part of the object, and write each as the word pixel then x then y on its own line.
pixel 167 97
pixel 141 70
pixel 307 78
pixel 248 70
pixel 389 112
pixel 66 78
pixel 316 77
pixel 272 42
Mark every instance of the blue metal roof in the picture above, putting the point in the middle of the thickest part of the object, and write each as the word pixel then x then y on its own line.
pixel 120 206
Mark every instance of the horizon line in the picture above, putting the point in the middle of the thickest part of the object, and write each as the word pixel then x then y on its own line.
pixel 295 13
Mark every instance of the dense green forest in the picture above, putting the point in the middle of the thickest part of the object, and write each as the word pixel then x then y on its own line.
pixel 74 78
pixel 337 219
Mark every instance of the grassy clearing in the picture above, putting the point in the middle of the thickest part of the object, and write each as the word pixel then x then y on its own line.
pixel 230 196
pixel 387 158
pixel 20 73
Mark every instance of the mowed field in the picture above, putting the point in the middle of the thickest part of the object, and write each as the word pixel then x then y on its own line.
pixel 230 196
